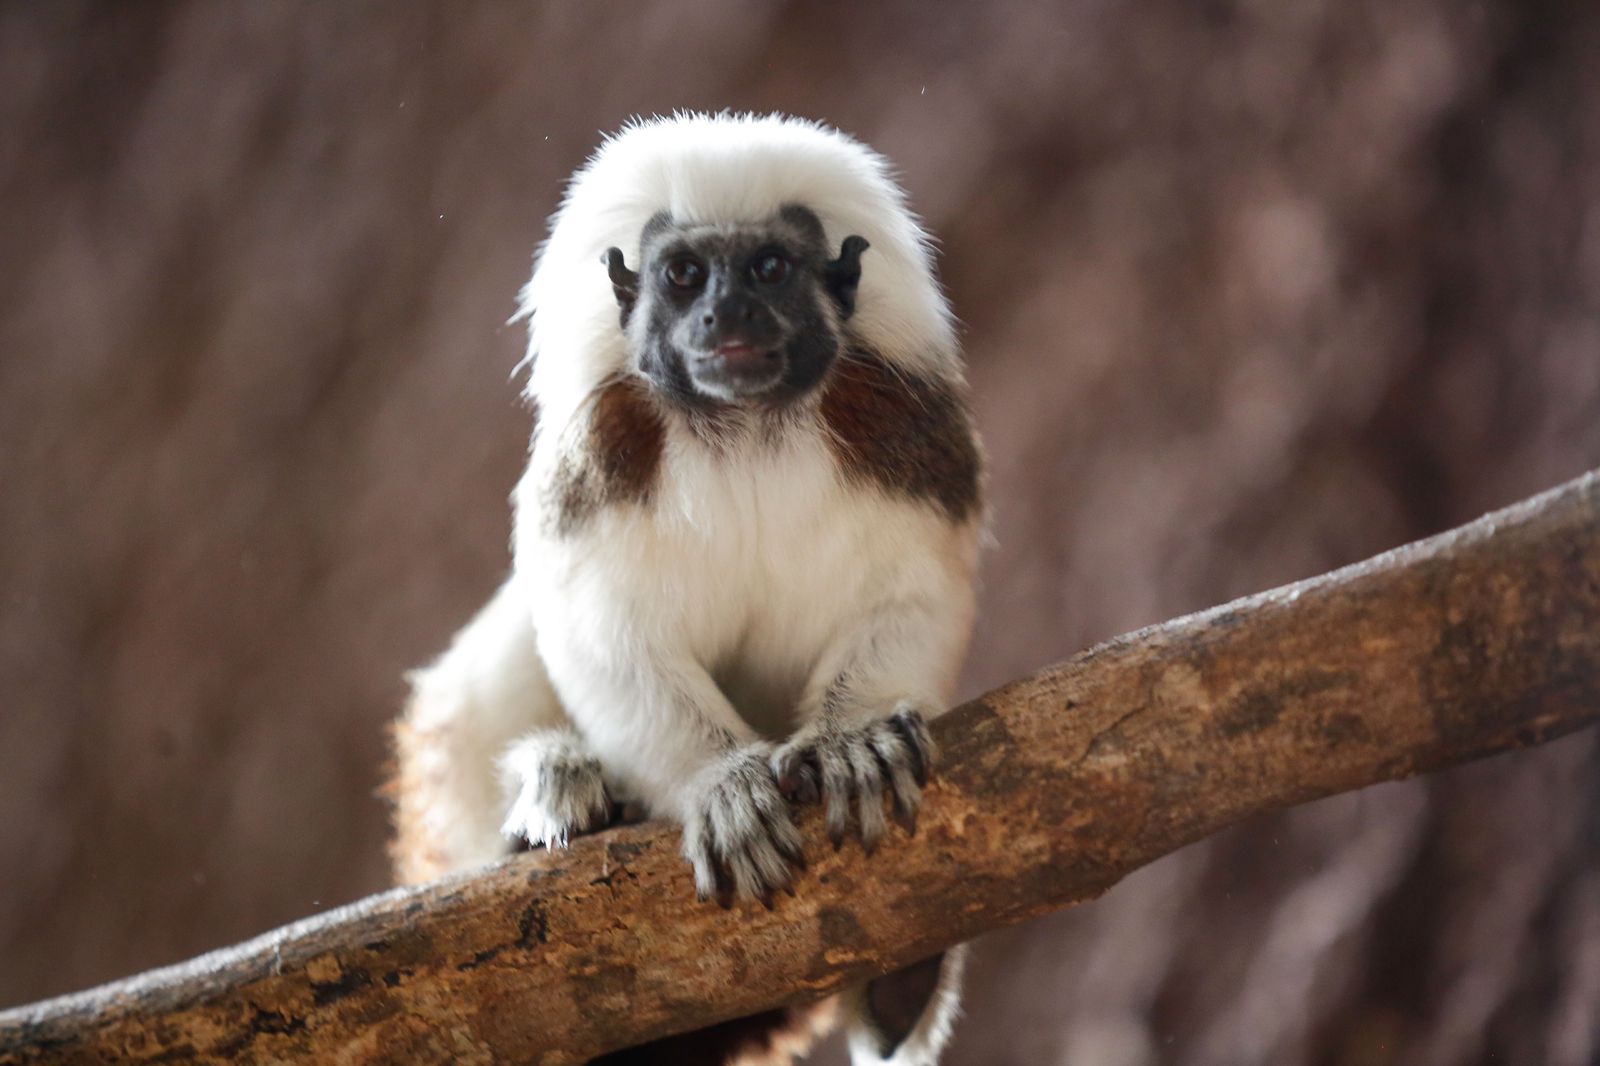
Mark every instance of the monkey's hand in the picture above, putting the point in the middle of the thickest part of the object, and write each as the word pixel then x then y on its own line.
pixel 560 792
pixel 838 761
pixel 738 833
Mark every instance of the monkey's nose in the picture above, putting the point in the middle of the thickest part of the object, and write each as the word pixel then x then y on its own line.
pixel 712 320
pixel 732 310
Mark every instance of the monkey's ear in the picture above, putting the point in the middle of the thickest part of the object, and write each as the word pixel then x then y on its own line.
pixel 624 282
pixel 843 274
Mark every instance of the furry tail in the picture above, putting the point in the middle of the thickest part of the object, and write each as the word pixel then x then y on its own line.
pixel 489 688
pixel 904 1018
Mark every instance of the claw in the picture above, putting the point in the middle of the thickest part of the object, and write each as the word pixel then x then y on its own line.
pixel 799 787
pixel 809 791
pixel 905 814
pixel 795 855
pixel 915 733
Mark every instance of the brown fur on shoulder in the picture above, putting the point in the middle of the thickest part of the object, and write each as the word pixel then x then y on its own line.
pixel 618 464
pixel 902 433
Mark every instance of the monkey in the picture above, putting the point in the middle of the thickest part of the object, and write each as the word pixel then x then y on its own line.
pixel 745 542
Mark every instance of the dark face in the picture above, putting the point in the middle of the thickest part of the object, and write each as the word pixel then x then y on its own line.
pixel 744 314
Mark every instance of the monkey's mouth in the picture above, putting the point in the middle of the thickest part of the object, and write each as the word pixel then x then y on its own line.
pixel 740 351
pixel 736 368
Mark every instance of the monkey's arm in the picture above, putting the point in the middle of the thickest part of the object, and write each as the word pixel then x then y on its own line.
pixel 662 727
pixel 867 700
pixel 865 707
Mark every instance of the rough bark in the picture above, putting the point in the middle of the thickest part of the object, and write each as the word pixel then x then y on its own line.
pixel 1052 788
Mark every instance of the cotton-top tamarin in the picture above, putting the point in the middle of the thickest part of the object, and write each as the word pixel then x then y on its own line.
pixel 745 541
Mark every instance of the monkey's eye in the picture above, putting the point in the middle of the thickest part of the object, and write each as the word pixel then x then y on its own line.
pixel 685 272
pixel 770 269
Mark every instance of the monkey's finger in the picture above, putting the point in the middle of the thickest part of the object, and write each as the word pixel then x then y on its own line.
pixel 714 822
pixel 794 766
pixel 721 874
pixel 837 778
pixel 757 868
pixel 910 725
pixel 810 790
pixel 774 846
pixel 731 815
pixel 516 823
pixel 732 868
pixel 894 760
pixel 869 793
pixel 747 881
pixel 780 827
pixel 906 816
pixel 786 839
pixel 743 841
pixel 558 777
pixel 697 849
pixel 787 763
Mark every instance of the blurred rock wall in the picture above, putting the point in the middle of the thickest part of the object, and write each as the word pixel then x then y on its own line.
pixel 1251 290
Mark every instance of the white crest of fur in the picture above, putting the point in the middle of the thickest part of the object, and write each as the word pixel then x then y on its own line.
pixel 726 168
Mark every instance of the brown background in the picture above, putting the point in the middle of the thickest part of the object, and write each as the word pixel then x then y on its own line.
pixel 1250 289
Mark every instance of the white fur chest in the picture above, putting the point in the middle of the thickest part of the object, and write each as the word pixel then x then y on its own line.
pixel 751 561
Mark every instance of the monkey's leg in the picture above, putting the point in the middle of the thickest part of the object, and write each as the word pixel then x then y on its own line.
pixel 559 789
pixel 466 708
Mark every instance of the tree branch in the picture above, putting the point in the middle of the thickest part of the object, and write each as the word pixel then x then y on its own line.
pixel 1052 788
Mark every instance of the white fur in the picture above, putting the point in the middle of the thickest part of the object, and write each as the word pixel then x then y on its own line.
pixel 755 574
pixel 725 168
pixel 721 610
